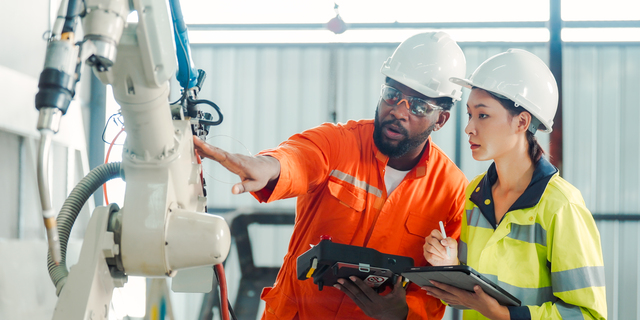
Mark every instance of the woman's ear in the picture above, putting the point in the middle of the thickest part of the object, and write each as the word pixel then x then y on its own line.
pixel 524 120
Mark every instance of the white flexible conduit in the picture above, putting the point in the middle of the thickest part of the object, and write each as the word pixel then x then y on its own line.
pixel 45 197
pixel 69 212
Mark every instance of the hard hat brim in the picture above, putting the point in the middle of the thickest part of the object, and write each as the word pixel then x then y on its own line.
pixel 467 83
pixel 462 82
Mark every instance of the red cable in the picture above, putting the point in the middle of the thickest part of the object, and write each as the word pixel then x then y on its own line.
pixel 222 280
pixel 224 301
pixel 106 160
pixel 200 163
pixel 197 157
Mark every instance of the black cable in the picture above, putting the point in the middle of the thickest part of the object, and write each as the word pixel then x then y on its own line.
pixel 179 100
pixel 214 106
pixel 233 314
pixel 70 19
pixel 107 124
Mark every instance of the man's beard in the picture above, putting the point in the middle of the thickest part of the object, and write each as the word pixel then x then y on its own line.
pixel 403 146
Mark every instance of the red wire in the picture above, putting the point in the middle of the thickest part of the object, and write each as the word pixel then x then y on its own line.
pixel 224 301
pixel 222 280
pixel 202 170
pixel 197 157
pixel 106 160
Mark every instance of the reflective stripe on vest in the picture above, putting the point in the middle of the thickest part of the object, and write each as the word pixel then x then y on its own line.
pixel 462 251
pixel 579 278
pixel 528 296
pixel 569 311
pixel 357 183
pixel 534 233
pixel 476 219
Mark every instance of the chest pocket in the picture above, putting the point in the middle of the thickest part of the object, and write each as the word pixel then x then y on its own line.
pixel 416 229
pixel 347 194
pixel 418 226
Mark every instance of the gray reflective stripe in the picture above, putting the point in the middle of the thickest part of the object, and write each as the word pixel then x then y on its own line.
pixel 462 251
pixel 471 216
pixel 528 296
pixel 569 311
pixel 529 233
pixel 578 278
pixel 360 184
pixel 476 219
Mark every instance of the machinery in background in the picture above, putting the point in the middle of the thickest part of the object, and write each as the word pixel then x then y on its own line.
pixel 162 225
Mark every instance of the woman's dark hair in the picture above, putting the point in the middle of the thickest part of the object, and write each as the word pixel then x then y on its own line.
pixel 535 149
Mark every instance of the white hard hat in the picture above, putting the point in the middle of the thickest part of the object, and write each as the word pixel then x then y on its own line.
pixel 522 77
pixel 425 62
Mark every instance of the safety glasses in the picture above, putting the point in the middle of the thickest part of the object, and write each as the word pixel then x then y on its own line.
pixel 417 106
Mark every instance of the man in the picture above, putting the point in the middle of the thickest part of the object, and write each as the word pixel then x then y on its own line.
pixel 381 184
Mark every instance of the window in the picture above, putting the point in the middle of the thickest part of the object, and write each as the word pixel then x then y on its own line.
pixel 594 10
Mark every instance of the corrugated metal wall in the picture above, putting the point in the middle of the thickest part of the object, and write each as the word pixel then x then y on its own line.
pixel 271 92
pixel 601 116
pixel 601 152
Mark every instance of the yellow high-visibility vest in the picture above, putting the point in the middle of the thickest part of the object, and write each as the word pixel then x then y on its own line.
pixel 546 253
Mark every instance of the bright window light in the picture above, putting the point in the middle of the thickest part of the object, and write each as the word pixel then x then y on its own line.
pixel 594 10
pixel 130 300
pixel 133 17
pixel 601 34
pixel 361 11
pixel 364 36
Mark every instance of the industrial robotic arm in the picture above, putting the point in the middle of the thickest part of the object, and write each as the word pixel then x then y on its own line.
pixel 162 226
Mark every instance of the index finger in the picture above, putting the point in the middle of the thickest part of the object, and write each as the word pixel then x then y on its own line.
pixel 435 233
pixel 367 290
pixel 445 296
pixel 353 291
pixel 209 151
pixel 434 241
pixel 445 287
pixel 399 285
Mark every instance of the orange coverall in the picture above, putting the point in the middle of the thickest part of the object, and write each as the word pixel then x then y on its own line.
pixel 337 173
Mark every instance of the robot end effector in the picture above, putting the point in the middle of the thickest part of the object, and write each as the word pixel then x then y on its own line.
pixel 104 24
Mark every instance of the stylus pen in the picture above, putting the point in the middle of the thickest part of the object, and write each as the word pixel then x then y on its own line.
pixel 444 235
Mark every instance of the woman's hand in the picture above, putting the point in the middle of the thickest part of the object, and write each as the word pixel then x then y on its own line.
pixel 435 250
pixel 477 300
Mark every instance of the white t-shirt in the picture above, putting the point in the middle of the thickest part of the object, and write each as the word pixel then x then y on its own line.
pixel 392 178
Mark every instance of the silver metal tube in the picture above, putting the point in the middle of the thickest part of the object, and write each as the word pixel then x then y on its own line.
pixel 48 214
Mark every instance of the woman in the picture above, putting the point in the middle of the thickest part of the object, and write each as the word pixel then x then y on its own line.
pixel 525 228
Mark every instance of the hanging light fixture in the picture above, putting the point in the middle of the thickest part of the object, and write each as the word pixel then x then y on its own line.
pixel 336 25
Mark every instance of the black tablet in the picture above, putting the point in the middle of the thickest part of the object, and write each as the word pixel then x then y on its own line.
pixel 328 261
pixel 463 277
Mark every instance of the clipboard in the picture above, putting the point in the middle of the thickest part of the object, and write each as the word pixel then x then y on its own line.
pixel 463 277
